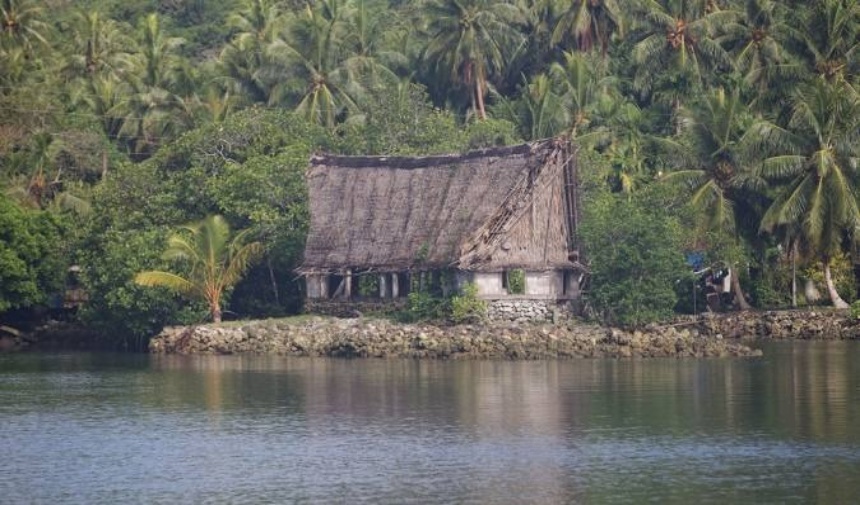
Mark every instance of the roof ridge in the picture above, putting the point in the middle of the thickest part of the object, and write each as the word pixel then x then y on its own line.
pixel 407 162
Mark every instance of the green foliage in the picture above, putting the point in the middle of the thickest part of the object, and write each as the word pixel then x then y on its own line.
pixel 181 87
pixel 250 168
pixel 467 307
pixel 842 270
pixel 423 306
pixel 116 305
pixel 634 249
pixel 855 310
pixel 772 289
pixel 516 281
pixel 490 133
pixel 399 119
pixel 31 263
pixel 368 285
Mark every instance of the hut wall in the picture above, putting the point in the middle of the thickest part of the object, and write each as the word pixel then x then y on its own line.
pixel 489 284
pixel 550 283
pixel 316 286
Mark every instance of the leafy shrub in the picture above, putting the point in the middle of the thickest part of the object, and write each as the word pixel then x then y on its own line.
pixel 467 307
pixel 634 250
pixel 426 307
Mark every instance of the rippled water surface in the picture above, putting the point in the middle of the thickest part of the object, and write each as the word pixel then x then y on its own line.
pixel 97 428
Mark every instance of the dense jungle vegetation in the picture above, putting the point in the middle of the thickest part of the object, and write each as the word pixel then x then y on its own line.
pixel 729 128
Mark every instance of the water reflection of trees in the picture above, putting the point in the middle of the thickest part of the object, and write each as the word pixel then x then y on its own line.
pixel 551 423
pixel 803 391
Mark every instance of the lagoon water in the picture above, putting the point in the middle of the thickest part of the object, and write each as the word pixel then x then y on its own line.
pixel 111 428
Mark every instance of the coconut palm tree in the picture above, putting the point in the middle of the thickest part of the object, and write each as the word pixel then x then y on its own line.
pixel 583 84
pixel 828 33
pixel 106 96
pixel 21 24
pixel 372 57
pixel 101 46
pixel 820 161
pixel 676 49
pixel 758 43
pixel 310 69
pixel 470 41
pixel 244 60
pixel 216 262
pixel 539 112
pixel 717 169
pixel 591 23
pixel 160 81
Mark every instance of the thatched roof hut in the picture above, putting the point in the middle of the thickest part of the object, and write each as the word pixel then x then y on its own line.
pixel 487 210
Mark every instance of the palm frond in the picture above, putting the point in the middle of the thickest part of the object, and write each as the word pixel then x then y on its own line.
pixel 167 280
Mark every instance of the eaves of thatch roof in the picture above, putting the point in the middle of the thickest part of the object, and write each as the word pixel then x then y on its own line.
pixel 476 211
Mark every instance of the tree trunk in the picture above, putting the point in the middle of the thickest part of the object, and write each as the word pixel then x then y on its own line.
pixel 215 309
pixel 794 275
pixel 837 300
pixel 738 292
pixel 479 92
pixel 274 282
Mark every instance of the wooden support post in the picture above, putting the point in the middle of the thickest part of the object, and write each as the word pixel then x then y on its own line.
pixel 347 293
pixel 323 280
pixel 395 285
pixel 383 286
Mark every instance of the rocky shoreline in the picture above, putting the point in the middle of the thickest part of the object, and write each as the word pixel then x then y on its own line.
pixel 379 338
pixel 706 335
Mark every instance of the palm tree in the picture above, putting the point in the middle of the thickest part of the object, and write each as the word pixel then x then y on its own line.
pixel 677 49
pixel 820 161
pixel 539 112
pixel 828 32
pixel 714 147
pixel 107 97
pixel 627 143
pixel 757 41
pixel 257 19
pixel 311 68
pixel 371 56
pixel 216 262
pixel 469 42
pixel 101 46
pixel 582 84
pixel 591 23
pixel 159 79
pixel 21 25
pixel 244 59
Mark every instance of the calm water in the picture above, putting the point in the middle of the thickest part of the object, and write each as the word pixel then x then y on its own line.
pixel 95 428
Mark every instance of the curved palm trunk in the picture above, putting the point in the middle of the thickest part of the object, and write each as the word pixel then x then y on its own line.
pixel 837 300
pixel 738 292
pixel 479 93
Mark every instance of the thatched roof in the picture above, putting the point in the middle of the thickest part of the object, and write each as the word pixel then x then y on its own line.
pixel 469 211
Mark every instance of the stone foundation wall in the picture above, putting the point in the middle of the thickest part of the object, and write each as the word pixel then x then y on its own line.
pixel 354 308
pixel 522 310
